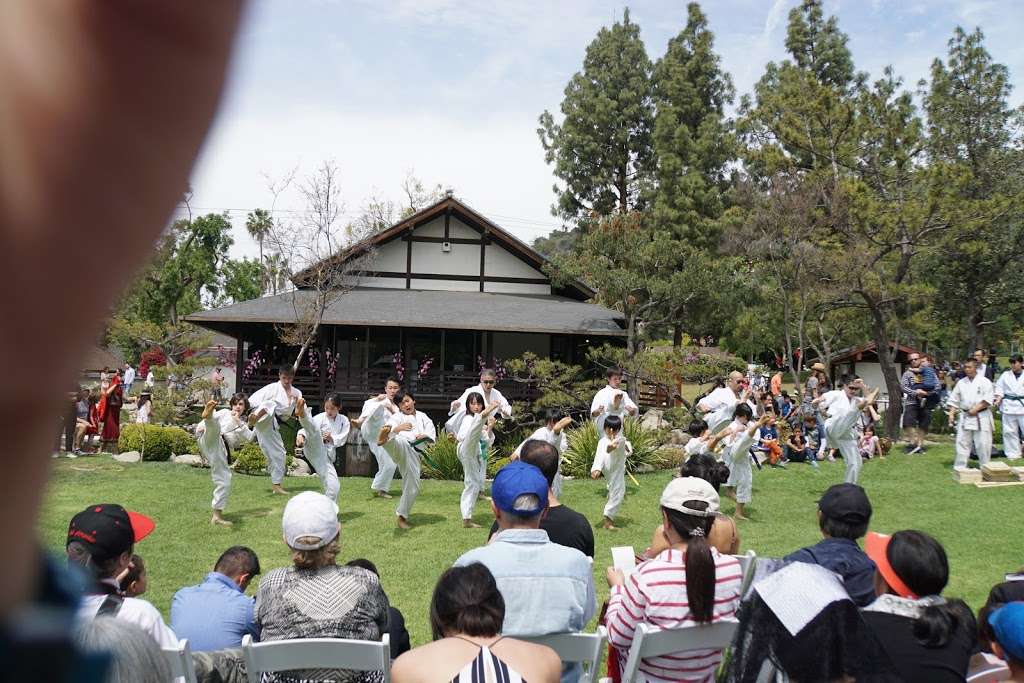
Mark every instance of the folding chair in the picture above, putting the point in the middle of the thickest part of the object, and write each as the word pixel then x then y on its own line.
pixel 987 668
pixel 576 648
pixel 748 563
pixel 317 653
pixel 651 641
pixel 180 659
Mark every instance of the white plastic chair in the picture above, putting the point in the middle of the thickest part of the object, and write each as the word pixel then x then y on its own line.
pixel 651 641
pixel 987 668
pixel 180 659
pixel 576 648
pixel 317 653
pixel 748 563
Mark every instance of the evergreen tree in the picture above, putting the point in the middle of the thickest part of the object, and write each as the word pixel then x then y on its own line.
pixel 602 149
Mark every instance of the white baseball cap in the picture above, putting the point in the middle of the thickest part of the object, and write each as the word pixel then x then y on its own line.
pixel 684 489
pixel 310 514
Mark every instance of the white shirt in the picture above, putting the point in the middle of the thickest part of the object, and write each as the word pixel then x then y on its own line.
pixel 129 375
pixel 150 379
pixel 234 430
pixel 421 424
pixel 720 397
pixel 504 407
pixel 275 399
pixel 834 402
pixel 967 394
pixel 142 416
pixel 695 446
pixel 548 435
pixel 1008 384
pixel 338 428
pixel 605 397
pixel 622 449
pixel 135 611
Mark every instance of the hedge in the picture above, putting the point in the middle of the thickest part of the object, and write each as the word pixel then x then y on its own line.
pixel 156 443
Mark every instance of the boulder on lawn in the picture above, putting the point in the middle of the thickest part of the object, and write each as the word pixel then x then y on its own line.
pixel 299 468
pixel 654 419
pixel 128 456
pixel 189 459
pixel 678 437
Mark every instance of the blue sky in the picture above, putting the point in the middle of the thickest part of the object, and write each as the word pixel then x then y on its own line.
pixel 451 89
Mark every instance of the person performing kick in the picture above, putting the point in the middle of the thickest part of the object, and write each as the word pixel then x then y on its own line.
pixel 218 433
pixel 719 406
pixel 405 436
pixel 843 408
pixel 972 398
pixel 386 467
pixel 272 402
pixel 553 432
pixel 319 437
pixel 475 438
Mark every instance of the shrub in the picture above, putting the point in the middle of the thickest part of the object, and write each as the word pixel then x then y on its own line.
pixel 249 459
pixel 582 443
pixel 441 460
pixel 153 441
pixel 181 441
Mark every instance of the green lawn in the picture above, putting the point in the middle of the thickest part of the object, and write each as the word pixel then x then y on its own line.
pixel 980 528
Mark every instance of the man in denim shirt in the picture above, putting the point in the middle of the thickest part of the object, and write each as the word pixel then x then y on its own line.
pixel 844 513
pixel 548 588
pixel 217 613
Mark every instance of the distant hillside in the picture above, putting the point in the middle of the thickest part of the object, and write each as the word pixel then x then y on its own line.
pixel 557 242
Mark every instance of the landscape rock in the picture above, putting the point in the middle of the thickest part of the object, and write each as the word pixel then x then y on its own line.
pixel 128 456
pixel 299 468
pixel 678 437
pixel 189 459
pixel 654 419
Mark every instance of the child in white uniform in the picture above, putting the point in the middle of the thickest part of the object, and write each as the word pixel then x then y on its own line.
pixel 611 400
pixel 739 439
pixel 404 436
pixel 216 433
pixel 274 401
pixel 553 433
pixel 474 439
pixel 699 437
pixel 319 437
pixel 610 460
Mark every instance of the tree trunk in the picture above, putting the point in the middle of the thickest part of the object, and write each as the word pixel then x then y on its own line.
pixel 890 372
pixel 975 329
pixel 677 336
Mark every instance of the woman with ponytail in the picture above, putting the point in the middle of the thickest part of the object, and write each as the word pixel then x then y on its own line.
pixel 466 614
pixel 687 584
pixel 927 637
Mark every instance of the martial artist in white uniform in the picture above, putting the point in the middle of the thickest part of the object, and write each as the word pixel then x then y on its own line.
pixel 736 454
pixel 718 406
pixel 273 401
pixel 397 434
pixel 215 433
pixel 843 408
pixel 475 439
pixel 972 397
pixel 1010 397
pixel 320 436
pixel 385 465
pixel 553 433
pixel 611 400
pixel 486 388
pixel 610 460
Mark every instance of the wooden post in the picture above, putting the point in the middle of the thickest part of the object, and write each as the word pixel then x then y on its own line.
pixel 239 361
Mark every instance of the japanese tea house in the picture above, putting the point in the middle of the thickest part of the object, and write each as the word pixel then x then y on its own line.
pixel 439 293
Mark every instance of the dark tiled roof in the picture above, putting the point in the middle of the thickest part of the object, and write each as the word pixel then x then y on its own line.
pixel 428 308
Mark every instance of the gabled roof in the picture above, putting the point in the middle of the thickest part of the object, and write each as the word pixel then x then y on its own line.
pixel 576 289
pixel 857 353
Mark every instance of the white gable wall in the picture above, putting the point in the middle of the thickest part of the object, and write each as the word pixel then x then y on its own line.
pixel 456 228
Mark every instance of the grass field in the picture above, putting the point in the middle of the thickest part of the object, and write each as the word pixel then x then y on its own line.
pixel 980 528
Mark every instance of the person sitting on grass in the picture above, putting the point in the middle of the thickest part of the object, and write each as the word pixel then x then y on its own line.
pixel 217 613
pixel 724 536
pixel 466 616
pixel 610 460
pixel 396 622
pixel 563 525
pixel 1007 624
pixel 927 637
pixel 844 513
pixel 869 445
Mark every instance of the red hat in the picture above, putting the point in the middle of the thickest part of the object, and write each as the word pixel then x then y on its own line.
pixel 876 546
pixel 108 529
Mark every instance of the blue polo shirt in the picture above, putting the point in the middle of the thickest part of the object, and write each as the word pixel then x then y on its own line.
pixel 213 615
pixel 845 558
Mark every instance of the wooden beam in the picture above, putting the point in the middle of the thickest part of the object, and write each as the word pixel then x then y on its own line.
pixel 447 221
pixel 483 251
pixel 442 240
pixel 408 264
pixel 239 361
pixel 460 278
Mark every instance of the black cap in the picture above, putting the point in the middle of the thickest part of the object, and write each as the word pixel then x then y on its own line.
pixel 846 503
pixel 108 530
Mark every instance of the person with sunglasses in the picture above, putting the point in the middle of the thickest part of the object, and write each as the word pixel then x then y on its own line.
pixel 486 388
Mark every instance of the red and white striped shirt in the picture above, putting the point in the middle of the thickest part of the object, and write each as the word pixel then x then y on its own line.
pixel 656 594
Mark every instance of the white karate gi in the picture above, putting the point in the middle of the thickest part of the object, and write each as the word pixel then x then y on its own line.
pixel 471 440
pixel 977 429
pixel 547 434
pixel 454 423
pixel 718 408
pixel 737 456
pixel 278 403
pixel 613 465
pixel 129 379
pixel 211 434
pixel 842 416
pixel 319 453
pixel 1012 410
pixel 400 449
pixel 605 397
pixel 695 446
pixel 385 465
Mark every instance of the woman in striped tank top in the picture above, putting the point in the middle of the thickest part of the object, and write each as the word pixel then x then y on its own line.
pixel 466 615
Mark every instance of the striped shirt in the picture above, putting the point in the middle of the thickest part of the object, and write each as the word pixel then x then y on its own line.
pixel 487 668
pixel 656 594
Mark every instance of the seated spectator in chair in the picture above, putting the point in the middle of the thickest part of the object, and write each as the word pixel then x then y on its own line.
pixel 844 513
pixel 926 637
pixel 724 536
pixel 100 541
pixel 564 525
pixel 134 655
pixel 217 613
pixel 689 583
pixel 135 582
pixel 547 587
pixel 466 614
pixel 1007 626
pixel 1010 590
pixel 396 622
pixel 316 598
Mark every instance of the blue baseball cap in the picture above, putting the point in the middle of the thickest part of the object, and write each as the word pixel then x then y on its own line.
pixel 1008 624
pixel 519 479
